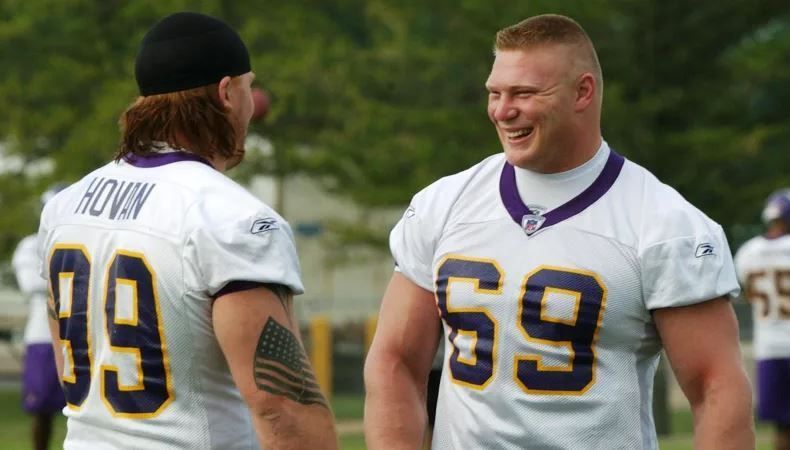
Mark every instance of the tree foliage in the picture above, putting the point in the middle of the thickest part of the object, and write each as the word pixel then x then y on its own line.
pixel 378 97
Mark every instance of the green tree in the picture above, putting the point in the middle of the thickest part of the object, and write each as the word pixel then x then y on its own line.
pixel 378 98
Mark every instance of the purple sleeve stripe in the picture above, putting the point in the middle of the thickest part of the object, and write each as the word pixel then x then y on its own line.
pixel 238 286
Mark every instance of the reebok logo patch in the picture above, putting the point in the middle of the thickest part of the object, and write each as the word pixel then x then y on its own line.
pixel 704 250
pixel 264 225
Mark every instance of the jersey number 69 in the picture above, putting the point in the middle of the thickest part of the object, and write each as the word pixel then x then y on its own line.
pixel 577 333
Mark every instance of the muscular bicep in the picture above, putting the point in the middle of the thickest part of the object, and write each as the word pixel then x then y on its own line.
pixel 260 339
pixel 701 342
pixel 408 329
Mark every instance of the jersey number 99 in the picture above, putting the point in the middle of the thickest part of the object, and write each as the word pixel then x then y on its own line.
pixel 138 333
pixel 578 333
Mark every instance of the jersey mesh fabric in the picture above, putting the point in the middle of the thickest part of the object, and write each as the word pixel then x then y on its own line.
pixel 550 339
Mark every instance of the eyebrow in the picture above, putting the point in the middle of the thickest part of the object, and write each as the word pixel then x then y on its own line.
pixel 518 87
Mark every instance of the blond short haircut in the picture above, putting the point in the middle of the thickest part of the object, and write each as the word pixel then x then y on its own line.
pixel 552 29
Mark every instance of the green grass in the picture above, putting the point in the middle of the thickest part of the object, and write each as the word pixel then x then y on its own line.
pixel 15 426
pixel 352 442
pixel 683 427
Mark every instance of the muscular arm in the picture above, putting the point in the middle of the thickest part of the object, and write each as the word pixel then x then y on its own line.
pixel 397 366
pixel 259 336
pixel 701 342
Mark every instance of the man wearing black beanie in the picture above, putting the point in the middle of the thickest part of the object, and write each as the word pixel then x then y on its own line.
pixel 172 286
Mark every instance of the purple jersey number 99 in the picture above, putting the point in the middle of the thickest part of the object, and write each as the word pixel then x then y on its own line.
pixel 136 331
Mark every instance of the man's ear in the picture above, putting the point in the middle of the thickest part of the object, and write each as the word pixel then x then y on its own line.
pixel 223 90
pixel 586 88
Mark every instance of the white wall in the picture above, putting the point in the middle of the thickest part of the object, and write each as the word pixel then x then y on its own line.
pixel 345 284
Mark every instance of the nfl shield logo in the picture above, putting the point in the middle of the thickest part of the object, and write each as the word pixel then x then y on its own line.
pixel 531 223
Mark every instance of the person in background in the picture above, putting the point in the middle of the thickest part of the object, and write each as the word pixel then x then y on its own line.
pixel 763 266
pixel 42 396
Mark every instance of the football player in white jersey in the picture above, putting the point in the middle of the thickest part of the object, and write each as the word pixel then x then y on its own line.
pixel 171 285
pixel 42 396
pixel 559 270
pixel 763 265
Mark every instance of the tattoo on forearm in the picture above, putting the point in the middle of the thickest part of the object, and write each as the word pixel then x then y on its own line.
pixel 282 368
pixel 283 294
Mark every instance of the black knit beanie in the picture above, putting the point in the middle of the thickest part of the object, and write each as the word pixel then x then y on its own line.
pixel 186 50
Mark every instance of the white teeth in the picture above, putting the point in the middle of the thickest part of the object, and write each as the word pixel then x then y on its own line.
pixel 519 133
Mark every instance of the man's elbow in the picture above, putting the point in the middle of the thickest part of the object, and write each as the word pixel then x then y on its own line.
pixel 729 387
pixel 380 370
pixel 390 378
pixel 262 403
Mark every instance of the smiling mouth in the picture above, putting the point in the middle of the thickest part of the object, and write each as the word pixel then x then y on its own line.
pixel 519 134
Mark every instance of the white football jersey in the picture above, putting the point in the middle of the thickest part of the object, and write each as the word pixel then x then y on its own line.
pixel 763 267
pixel 551 342
pixel 27 268
pixel 135 254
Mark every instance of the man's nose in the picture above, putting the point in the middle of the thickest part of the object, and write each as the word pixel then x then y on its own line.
pixel 504 109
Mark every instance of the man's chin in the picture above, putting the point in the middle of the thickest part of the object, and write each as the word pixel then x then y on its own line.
pixel 527 157
pixel 518 156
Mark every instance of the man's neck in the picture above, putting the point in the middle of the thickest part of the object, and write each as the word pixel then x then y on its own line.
pixel 182 144
pixel 777 229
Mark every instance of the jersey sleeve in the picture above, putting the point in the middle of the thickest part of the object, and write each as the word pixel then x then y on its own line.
pixel 251 249
pixel 28 268
pixel 413 241
pixel 685 260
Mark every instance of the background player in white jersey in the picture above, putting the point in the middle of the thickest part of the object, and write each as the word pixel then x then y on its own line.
pixel 763 265
pixel 42 395
pixel 559 269
pixel 171 284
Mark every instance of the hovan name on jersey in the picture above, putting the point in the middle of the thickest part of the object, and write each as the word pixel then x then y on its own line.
pixel 121 200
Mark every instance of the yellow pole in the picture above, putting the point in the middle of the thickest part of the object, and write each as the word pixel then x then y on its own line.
pixel 370 331
pixel 321 352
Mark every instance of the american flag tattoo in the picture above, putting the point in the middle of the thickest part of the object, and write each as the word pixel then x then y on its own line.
pixel 281 367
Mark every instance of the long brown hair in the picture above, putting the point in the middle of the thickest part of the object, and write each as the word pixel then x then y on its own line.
pixel 193 117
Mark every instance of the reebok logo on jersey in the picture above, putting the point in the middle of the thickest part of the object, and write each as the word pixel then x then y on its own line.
pixel 263 225
pixel 704 250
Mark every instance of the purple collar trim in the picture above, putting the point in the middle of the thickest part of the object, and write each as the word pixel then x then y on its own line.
pixel 160 159
pixel 508 191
